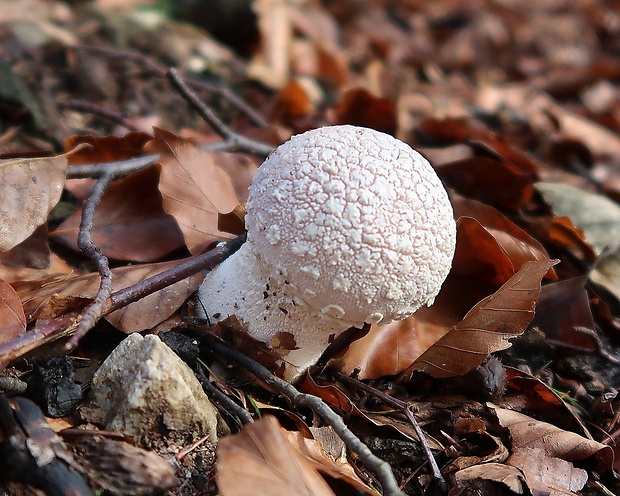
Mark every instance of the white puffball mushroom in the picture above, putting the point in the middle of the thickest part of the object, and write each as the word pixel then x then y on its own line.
pixel 346 225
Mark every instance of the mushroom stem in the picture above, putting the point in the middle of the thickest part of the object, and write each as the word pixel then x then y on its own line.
pixel 244 286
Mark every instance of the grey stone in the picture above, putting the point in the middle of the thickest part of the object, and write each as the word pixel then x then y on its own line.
pixel 144 390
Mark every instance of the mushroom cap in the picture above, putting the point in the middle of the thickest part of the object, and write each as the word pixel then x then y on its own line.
pixel 354 222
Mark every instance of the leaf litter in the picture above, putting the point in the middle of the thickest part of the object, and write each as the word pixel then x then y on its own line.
pixel 516 105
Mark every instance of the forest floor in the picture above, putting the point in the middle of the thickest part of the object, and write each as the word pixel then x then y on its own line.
pixel 129 134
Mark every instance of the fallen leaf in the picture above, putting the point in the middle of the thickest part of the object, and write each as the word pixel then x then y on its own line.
pixel 510 477
pixel 34 252
pixel 360 107
pixel 260 460
pixel 314 452
pixel 548 476
pixel 197 185
pixel 12 317
pixel 513 242
pixel 106 148
pixel 562 306
pixel 29 189
pixel 596 215
pixel 129 223
pixel 489 180
pixel 607 273
pixel 138 316
pixel 487 327
pixel 527 432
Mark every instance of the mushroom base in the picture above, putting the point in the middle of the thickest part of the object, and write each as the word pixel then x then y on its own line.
pixel 243 286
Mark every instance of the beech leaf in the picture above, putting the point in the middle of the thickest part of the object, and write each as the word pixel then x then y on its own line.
pixel 487 327
pixel 260 460
pixel 12 318
pixel 129 222
pixel 197 185
pixel 29 189
pixel 527 432
pixel 44 299
pixel 596 215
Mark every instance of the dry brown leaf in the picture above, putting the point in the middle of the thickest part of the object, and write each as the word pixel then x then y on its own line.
pixel 510 477
pixel 515 244
pixel 271 64
pixel 197 185
pixel 138 316
pixel 129 222
pixel 527 432
pixel 479 255
pixel 12 317
pixel 314 452
pixel 34 252
pixel 260 460
pixel 29 189
pixel 534 106
pixel 487 327
pixel 107 148
pixel 548 476
pixel 489 180
pixel 11 274
pixel 360 107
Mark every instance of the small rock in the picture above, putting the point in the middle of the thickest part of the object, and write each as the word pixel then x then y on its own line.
pixel 144 390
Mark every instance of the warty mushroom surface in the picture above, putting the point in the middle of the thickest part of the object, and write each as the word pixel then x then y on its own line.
pixel 346 225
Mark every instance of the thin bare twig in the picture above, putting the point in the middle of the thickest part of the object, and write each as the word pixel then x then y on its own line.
pixel 94 311
pixel 238 142
pixel 121 167
pixel 407 409
pixel 48 331
pixel 227 403
pixel 153 67
pixel 380 468
pixel 99 111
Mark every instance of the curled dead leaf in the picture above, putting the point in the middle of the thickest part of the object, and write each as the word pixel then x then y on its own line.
pixel 527 432
pixel 487 327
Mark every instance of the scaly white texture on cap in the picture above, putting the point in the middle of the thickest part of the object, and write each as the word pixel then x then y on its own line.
pixel 346 225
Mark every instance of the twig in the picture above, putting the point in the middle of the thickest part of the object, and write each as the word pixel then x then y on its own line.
pixel 153 67
pixel 191 266
pixel 379 467
pixel 125 167
pixel 94 311
pixel 99 111
pixel 407 409
pixel 227 403
pixel 51 330
pixel 237 141
pixel 121 167
pixel 600 347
